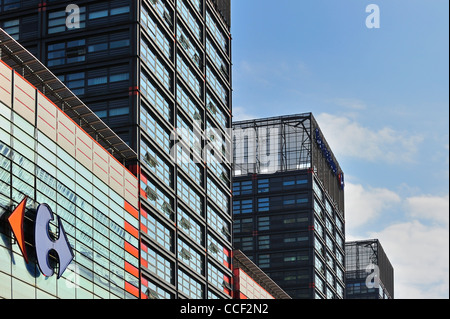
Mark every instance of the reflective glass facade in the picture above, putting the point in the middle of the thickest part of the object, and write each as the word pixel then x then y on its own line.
pixel 49 159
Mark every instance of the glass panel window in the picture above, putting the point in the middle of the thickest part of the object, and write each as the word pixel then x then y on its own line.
pixel 189 286
pixel 220 89
pixel 218 223
pixel 189 47
pixel 155 98
pixel 188 224
pixel 194 170
pixel 155 65
pixel 191 257
pixel 156 230
pixel 218 35
pixel 188 75
pixel 217 59
pixel 218 196
pixel 157 264
pixel 155 32
pixel 155 130
pixel 189 19
pixel 155 163
pixel 189 196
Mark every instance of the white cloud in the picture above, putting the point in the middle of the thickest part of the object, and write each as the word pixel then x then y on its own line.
pixel 241 114
pixel 366 205
pixel 429 207
pixel 420 257
pixel 416 241
pixel 348 138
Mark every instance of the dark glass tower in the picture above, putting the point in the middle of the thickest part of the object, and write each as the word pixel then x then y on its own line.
pixel 288 204
pixel 158 72
pixel 369 274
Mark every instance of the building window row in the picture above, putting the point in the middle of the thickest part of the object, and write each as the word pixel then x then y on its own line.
pixel 155 131
pixel 218 35
pixel 164 11
pixel 157 264
pixel 190 257
pixel 219 251
pixel 243 206
pixel 282 202
pixel 109 109
pixel 109 12
pixel 156 230
pixel 216 113
pixel 157 198
pixel 154 31
pixel 154 97
pixel 97 80
pixel 217 86
pixel 243 188
pixel 219 224
pixel 79 50
pixel 191 50
pixel 219 279
pixel 217 167
pixel 189 105
pixel 218 140
pixel 217 59
pixel 190 20
pixel 153 291
pixel 191 138
pixel 189 77
pixel 194 170
pixel 189 196
pixel 156 164
pixel 188 225
pixel 161 72
pixel 221 199
pixel 284 259
pixel 189 286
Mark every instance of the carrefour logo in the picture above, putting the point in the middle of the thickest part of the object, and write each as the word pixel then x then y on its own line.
pixel 44 242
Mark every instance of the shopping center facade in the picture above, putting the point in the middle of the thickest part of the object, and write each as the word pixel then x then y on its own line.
pixel 48 161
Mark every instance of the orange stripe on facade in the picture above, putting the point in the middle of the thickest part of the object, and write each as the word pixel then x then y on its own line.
pixel 131 249
pixel 131 269
pixel 133 211
pixel 131 289
pixel 131 230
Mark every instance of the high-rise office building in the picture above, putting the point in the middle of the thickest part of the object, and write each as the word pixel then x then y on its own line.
pixel 158 72
pixel 288 204
pixel 369 273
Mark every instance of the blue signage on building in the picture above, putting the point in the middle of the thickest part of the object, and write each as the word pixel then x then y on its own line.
pixel 327 154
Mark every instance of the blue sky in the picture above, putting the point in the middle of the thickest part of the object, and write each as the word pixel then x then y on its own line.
pixel 381 99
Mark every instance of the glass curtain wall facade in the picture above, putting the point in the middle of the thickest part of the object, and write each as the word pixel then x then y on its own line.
pixel 288 205
pixel 47 158
pixel 158 72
